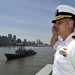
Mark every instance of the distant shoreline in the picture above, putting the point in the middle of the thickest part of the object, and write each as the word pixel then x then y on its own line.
pixel 24 45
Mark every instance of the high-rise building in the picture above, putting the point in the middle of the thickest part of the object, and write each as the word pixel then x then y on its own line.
pixel 14 39
pixel 25 41
pixel 10 38
pixel 38 41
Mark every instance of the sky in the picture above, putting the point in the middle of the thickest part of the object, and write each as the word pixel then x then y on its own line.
pixel 29 19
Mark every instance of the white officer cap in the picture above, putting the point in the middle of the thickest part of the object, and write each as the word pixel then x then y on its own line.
pixel 64 11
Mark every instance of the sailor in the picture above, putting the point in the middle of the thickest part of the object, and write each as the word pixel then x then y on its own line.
pixel 63 25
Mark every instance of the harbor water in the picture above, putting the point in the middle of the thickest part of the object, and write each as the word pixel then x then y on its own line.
pixel 25 66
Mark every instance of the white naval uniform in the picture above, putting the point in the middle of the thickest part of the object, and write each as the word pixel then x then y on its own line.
pixel 64 65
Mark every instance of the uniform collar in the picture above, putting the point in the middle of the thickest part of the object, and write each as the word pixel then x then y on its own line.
pixel 69 38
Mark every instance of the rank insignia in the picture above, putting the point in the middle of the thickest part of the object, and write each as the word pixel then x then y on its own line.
pixel 65 48
pixel 63 53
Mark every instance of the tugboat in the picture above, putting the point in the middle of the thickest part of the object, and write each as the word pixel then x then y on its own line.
pixel 19 53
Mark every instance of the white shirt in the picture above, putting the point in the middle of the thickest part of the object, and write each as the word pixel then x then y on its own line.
pixel 64 63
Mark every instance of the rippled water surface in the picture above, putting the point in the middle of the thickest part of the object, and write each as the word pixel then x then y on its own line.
pixel 25 66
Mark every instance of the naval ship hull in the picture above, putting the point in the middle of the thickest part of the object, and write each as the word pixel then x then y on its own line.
pixel 15 56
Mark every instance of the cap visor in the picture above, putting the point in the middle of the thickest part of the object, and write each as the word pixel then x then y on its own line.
pixel 59 17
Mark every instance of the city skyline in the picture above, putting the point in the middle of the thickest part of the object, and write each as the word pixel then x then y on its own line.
pixel 30 19
pixel 15 38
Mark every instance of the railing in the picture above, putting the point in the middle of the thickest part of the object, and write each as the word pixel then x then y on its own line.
pixel 46 70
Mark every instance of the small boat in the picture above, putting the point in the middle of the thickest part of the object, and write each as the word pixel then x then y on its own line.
pixel 19 53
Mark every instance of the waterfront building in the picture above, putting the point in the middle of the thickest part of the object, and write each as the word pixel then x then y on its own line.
pixel 10 38
pixel 14 39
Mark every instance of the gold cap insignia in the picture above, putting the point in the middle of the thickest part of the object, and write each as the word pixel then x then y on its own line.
pixel 65 48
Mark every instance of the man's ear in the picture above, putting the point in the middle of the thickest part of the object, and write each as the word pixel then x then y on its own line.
pixel 71 23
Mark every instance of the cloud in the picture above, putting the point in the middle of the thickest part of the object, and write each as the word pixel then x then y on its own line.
pixel 26 18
